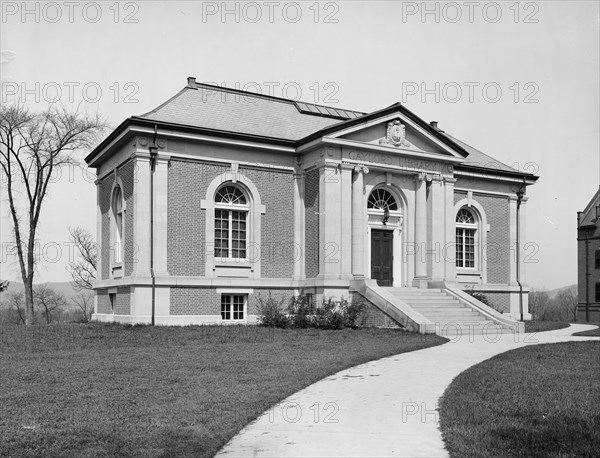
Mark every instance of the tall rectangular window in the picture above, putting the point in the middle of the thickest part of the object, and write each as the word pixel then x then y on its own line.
pixel 597 259
pixel 465 247
pixel 230 234
pixel 597 292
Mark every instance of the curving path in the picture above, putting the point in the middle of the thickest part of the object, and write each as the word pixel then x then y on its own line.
pixel 382 408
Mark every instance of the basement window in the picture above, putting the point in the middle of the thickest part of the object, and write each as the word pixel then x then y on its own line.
pixel 233 307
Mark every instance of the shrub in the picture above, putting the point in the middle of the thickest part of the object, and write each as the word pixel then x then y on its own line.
pixel 354 312
pixel 270 313
pixel 301 311
pixel 329 315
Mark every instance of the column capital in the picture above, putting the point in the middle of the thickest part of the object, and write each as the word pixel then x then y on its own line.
pixel 358 169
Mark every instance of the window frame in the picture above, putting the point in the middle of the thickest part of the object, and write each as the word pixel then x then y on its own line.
pixel 117 228
pixel 232 298
pixel 230 208
pixel 464 227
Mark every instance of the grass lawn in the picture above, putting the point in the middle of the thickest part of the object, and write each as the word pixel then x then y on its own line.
pixel 538 401
pixel 592 333
pixel 110 390
pixel 540 326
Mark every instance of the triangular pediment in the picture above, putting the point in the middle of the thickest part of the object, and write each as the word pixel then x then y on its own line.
pixel 398 133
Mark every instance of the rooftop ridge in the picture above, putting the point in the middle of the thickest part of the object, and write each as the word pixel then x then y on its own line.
pixel 355 113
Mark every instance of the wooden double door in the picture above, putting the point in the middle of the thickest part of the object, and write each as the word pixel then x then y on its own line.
pixel 382 256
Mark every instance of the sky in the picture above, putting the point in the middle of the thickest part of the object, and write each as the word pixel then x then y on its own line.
pixel 517 80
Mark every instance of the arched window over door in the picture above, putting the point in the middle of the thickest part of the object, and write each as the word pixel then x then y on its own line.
pixel 382 199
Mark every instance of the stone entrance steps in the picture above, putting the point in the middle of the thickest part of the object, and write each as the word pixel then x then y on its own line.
pixel 448 315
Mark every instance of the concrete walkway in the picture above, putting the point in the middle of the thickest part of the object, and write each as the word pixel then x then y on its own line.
pixel 382 408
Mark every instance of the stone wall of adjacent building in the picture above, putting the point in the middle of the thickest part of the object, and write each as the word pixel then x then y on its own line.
pixel 311 223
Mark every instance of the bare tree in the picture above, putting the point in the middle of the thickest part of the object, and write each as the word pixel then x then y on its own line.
pixel 33 147
pixel 83 270
pixel 16 300
pixel 538 303
pixel 567 300
pixel 85 303
pixel 48 300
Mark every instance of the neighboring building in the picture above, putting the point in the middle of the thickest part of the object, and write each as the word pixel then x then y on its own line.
pixel 588 261
pixel 256 195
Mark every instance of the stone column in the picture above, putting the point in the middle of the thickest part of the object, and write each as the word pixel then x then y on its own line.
pixel 436 244
pixel 329 217
pixel 449 251
pixel 346 220
pixel 141 214
pixel 512 217
pixel 358 222
pixel 299 252
pixel 420 279
pixel 161 181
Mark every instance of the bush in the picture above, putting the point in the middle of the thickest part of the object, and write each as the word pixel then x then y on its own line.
pixel 354 313
pixel 270 313
pixel 301 313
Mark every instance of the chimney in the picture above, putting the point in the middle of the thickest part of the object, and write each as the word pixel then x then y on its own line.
pixel 192 82
pixel 434 124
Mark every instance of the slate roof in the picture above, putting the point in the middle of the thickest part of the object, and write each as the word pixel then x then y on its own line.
pixel 230 112
pixel 478 158
pixel 214 107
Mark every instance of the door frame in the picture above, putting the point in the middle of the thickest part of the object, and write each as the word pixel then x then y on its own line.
pixel 393 252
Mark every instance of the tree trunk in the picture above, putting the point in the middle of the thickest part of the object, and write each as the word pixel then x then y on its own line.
pixel 29 316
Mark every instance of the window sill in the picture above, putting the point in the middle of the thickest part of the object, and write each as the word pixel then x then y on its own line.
pixel 243 263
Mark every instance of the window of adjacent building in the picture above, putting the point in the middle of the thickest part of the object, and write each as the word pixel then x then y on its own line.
pixel 231 221
pixel 597 292
pixel 117 226
pixel 112 299
pixel 597 259
pixel 466 231
pixel 233 307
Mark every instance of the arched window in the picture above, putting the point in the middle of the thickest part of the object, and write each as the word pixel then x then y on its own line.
pixel 466 232
pixel 231 223
pixel 380 199
pixel 117 226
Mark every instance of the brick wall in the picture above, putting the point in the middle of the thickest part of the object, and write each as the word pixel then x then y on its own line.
pixel 276 189
pixel 105 194
pixel 195 301
pixel 103 301
pixel 123 301
pixel 498 250
pixel 499 301
pixel 186 221
pixel 311 221
pixel 125 174
pixel 372 317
